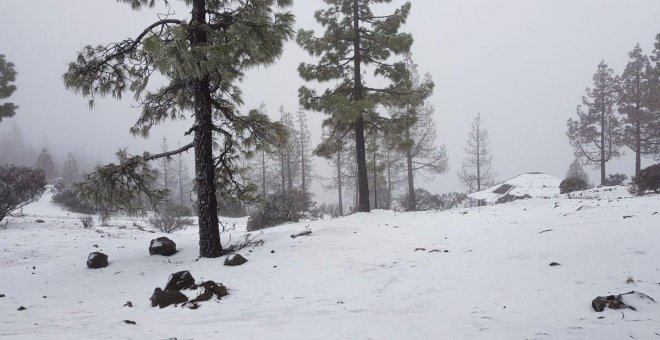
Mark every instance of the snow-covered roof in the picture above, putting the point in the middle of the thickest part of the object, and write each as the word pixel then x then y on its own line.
pixel 533 184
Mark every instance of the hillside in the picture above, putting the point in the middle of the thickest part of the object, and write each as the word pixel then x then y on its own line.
pixel 483 273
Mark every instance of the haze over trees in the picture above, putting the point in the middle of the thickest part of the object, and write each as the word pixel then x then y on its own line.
pixel 477 169
pixel 354 40
pixel 202 58
pixel 7 88
pixel 594 134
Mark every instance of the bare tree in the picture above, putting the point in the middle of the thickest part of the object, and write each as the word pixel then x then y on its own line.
pixel 476 171
pixel 594 134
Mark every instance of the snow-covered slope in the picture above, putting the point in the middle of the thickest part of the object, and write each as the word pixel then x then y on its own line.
pixel 534 184
pixel 483 273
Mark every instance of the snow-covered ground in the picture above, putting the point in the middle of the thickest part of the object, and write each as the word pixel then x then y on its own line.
pixel 359 277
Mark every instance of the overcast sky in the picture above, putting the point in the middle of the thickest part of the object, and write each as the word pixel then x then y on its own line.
pixel 523 64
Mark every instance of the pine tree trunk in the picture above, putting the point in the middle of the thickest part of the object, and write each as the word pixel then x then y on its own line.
pixel 361 159
pixel 602 147
pixel 209 233
pixel 340 202
pixel 263 175
pixel 411 180
pixel 375 171
pixel 638 142
pixel 303 161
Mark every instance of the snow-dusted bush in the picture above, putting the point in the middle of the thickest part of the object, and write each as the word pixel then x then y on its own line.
pixel 19 186
pixel 425 200
pixel 280 208
pixel 648 180
pixel 87 220
pixel 572 184
pixel 170 218
pixel 615 179
pixel 70 199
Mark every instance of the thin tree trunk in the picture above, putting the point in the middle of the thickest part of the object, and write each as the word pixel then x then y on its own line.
pixel 303 161
pixel 411 180
pixel 263 175
pixel 602 147
pixel 362 178
pixel 638 142
pixel 340 202
pixel 375 181
pixel 209 233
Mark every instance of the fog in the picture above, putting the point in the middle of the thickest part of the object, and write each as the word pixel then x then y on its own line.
pixel 522 64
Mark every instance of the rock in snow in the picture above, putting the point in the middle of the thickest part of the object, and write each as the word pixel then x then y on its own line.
pixel 162 246
pixel 235 260
pixel 97 260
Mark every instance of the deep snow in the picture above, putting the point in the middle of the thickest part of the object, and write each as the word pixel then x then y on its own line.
pixel 358 277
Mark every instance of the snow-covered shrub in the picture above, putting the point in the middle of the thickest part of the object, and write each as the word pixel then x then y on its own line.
pixel 615 179
pixel 425 200
pixel 87 220
pixel 69 198
pixel 648 179
pixel 19 186
pixel 169 219
pixel 572 184
pixel 280 208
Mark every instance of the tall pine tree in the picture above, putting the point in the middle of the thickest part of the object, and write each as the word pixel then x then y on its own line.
pixel 477 168
pixel 640 122
pixel 7 88
pixel 202 58
pixel 594 135
pixel 354 39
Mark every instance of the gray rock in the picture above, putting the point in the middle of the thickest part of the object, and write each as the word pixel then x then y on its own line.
pixel 235 260
pixel 162 246
pixel 97 260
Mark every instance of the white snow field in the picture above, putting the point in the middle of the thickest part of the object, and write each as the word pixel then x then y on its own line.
pixel 358 277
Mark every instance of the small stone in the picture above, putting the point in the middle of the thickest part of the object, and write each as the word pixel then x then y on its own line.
pixel 39 221
pixel 163 299
pixel 553 264
pixel 129 322
pixel 2 295
pixel 272 251
pixel 95 245
pixel 44 297
pixel 235 260
pixel 128 304
pixel 21 308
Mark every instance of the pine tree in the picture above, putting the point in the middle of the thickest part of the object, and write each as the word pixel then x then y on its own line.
pixel 640 123
pixel 45 163
pixel 476 171
pixel 183 181
pixel 655 88
pixel 7 77
pixel 415 117
pixel 70 171
pixel 594 135
pixel 575 171
pixel 202 59
pixel 305 152
pixel 355 38
pixel 167 174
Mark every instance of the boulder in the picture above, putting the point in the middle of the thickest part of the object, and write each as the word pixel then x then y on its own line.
pixel 163 299
pixel 97 260
pixel 162 246
pixel 179 281
pixel 235 260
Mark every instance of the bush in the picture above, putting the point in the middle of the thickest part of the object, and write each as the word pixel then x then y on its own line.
pixel 69 199
pixel 19 186
pixel 429 201
pixel 648 179
pixel 170 218
pixel 615 179
pixel 572 184
pixel 280 208
pixel 87 220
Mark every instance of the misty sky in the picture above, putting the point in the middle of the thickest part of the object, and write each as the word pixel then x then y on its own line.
pixel 523 64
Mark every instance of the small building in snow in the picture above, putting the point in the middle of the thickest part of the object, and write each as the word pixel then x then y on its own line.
pixel 533 184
